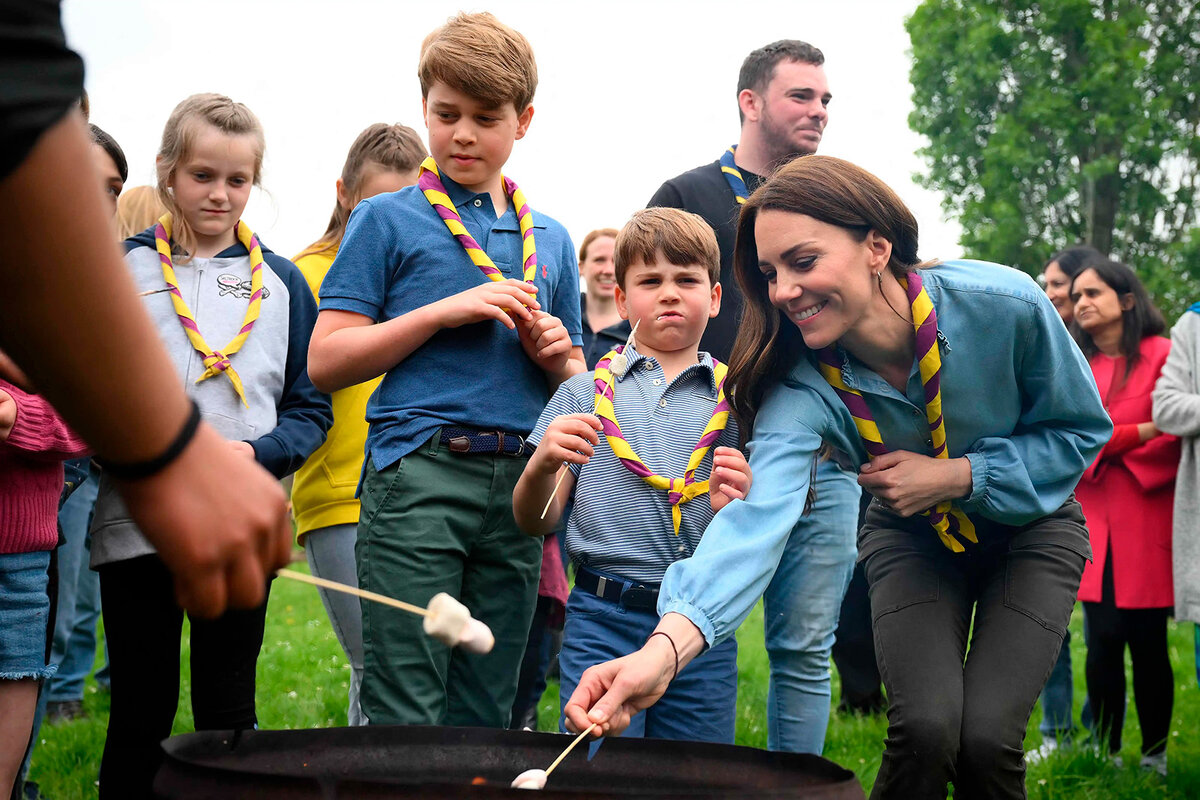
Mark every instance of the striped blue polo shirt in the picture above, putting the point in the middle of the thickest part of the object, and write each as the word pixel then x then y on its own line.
pixel 620 524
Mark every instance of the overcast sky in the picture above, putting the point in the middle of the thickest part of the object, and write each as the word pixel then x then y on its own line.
pixel 630 93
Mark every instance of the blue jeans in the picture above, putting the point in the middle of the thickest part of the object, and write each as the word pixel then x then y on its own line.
pixel 699 705
pixel 801 608
pixel 74 649
pixel 1057 695
pixel 330 554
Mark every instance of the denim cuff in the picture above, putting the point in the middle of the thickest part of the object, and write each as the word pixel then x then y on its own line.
pixel 693 613
pixel 979 482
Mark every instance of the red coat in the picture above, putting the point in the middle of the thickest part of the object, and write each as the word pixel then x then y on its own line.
pixel 1128 493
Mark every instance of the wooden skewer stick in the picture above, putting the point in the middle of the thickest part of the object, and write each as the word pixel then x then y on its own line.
pixel 354 590
pixel 149 292
pixel 570 747
pixel 562 472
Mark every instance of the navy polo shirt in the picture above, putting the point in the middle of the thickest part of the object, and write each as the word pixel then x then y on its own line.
pixel 398 256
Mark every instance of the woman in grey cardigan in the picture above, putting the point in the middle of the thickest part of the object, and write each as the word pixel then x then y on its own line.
pixel 1177 411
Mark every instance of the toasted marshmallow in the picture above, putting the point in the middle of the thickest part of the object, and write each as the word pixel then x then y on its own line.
pixel 476 637
pixel 447 619
pixel 530 779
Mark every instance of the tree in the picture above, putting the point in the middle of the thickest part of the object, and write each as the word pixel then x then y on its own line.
pixel 1064 121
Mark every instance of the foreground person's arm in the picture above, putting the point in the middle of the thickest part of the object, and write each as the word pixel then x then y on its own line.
pixel 63 274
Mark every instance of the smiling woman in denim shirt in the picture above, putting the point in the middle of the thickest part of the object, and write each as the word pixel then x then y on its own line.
pixel 827 260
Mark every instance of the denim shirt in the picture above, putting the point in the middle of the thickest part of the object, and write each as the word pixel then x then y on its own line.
pixel 1019 403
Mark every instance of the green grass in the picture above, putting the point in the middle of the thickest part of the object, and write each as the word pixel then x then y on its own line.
pixel 303 678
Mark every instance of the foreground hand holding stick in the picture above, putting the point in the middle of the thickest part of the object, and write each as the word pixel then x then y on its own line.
pixel 610 694
pixel 446 619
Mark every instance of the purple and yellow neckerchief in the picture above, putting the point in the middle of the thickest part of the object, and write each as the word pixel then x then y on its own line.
pixel 734 175
pixel 679 490
pixel 949 522
pixel 215 361
pixel 429 181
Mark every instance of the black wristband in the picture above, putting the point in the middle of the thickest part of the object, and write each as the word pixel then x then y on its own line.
pixel 673 649
pixel 152 466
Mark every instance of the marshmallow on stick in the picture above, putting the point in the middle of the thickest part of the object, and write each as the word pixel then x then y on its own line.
pixel 536 778
pixel 446 619
pixel 618 367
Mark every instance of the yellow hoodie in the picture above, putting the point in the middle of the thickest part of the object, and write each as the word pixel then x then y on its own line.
pixel 323 489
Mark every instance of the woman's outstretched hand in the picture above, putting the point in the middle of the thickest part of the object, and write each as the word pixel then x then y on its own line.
pixel 909 483
pixel 612 692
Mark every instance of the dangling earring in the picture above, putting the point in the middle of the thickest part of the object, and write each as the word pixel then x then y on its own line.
pixel 879 279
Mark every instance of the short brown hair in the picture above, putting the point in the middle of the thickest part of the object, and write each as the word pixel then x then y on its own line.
pixel 758 70
pixel 593 236
pixel 482 57
pixel 682 237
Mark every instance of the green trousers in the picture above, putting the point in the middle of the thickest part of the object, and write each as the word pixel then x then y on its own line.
pixel 437 521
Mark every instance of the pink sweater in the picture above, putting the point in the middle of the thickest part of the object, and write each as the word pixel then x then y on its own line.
pixel 31 473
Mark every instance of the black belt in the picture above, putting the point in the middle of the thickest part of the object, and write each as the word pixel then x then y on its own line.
pixel 468 441
pixel 636 596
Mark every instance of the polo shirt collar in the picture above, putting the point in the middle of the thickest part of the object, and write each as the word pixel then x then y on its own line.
pixel 461 197
pixel 705 363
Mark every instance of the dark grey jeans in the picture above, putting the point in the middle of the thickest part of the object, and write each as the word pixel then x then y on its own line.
pixel 960 692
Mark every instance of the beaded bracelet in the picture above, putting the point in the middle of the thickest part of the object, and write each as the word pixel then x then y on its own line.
pixel 673 647
pixel 144 469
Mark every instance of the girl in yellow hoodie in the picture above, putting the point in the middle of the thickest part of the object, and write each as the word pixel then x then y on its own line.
pixel 384 158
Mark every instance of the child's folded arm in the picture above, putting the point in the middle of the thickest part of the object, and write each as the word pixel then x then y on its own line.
pixel 349 347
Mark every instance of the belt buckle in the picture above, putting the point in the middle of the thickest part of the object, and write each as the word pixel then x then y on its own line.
pixel 520 451
pixel 640 597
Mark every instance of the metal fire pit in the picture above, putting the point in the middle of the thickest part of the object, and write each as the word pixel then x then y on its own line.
pixel 438 762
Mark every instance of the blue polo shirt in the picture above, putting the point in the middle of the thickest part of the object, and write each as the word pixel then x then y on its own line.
pixel 398 256
pixel 620 524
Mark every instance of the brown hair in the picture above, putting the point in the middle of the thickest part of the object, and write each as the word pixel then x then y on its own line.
pixel 593 236
pixel 482 57
pixel 179 135
pixel 682 237
pixel 832 191
pixel 393 147
pixel 759 67
pixel 137 209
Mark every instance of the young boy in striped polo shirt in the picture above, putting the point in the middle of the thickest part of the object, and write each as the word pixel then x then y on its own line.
pixel 640 441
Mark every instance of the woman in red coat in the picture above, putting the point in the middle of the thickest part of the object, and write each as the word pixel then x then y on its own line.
pixel 1127 497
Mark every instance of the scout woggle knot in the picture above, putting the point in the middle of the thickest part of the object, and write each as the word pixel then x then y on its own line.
pixel 949 522
pixel 679 490
pixel 216 362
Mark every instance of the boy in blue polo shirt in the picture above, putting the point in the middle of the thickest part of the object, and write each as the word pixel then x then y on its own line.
pixel 467 302
pixel 663 410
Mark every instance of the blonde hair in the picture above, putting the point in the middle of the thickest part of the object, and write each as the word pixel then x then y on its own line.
pixel 393 147
pixel 682 237
pixel 137 209
pixel 179 136
pixel 480 56
pixel 599 233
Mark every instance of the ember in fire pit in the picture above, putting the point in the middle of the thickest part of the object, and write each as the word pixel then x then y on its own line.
pixel 439 762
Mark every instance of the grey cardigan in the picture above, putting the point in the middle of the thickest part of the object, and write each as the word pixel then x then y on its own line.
pixel 1177 411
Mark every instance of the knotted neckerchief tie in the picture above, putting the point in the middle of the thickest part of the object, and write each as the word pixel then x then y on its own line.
pixel 679 490
pixel 430 183
pixel 734 175
pixel 948 521
pixel 215 361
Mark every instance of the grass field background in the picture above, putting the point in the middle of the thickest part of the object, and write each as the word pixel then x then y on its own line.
pixel 303 678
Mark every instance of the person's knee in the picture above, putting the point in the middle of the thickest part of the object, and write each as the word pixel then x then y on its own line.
pixel 931 737
pixel 985 744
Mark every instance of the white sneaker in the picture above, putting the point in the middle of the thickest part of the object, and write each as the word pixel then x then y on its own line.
pixel 1156 763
